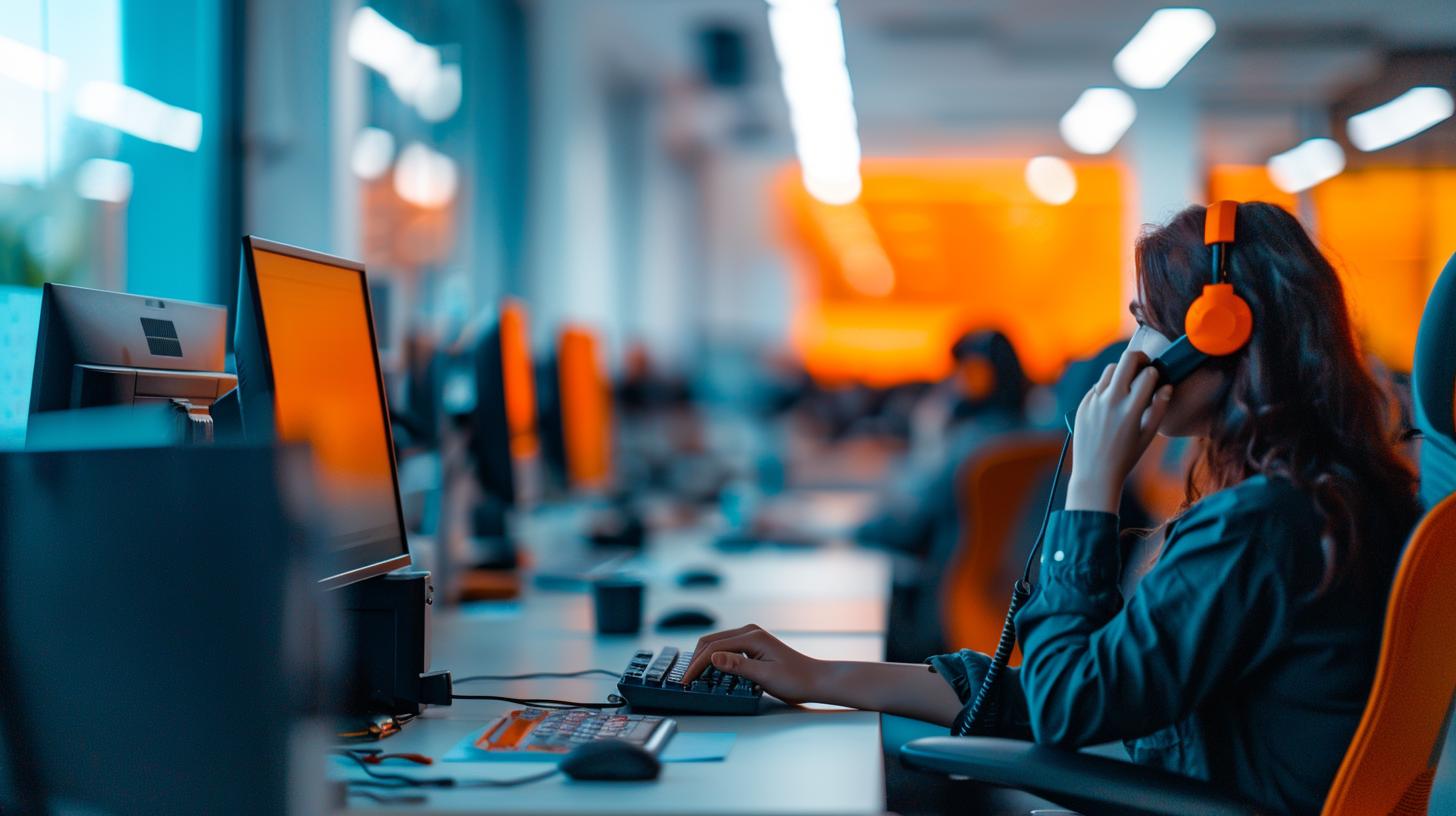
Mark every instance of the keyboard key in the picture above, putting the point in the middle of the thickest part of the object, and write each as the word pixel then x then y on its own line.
pixel 660 686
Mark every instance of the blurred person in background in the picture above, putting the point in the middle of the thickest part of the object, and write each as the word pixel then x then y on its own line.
pixel 985 396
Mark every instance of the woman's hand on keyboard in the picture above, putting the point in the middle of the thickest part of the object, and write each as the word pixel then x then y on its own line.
pixel 752 653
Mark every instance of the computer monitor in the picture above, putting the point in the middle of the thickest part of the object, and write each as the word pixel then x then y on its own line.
pixel 308 372
pixel 584 410
pixel 503 422
pixel 98 349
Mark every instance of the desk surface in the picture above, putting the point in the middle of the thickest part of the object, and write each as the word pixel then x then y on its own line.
pixel 829 602
pixel 836 588
pixel 784 760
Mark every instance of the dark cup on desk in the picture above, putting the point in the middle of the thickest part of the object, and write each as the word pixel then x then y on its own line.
pixel 618 601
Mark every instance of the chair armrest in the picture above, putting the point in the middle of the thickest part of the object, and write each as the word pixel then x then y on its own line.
pixel 1090 784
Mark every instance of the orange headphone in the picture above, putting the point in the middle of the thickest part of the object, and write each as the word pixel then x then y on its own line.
pixel 1219 322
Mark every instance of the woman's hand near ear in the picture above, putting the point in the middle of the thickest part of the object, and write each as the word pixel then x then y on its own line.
pixel 1115 424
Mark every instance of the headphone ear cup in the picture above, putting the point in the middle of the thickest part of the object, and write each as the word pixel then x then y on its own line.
pixel 978 378
pixel 1219 322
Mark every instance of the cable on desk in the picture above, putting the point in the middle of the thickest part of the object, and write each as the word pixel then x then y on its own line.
pixel 389 799
pixel 613 701
pixel 394 781
pixel 537 675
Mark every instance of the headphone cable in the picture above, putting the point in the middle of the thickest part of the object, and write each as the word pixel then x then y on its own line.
pixel 985 709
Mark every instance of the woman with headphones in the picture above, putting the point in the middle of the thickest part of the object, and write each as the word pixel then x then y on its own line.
pixel 1245 655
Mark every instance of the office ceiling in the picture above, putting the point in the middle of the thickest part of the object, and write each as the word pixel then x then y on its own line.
pixel 994 76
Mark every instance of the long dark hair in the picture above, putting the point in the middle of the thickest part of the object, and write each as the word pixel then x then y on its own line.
pixel 1299 401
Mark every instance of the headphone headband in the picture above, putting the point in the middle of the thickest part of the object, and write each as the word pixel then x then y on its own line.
pixel 1219 322
pixel 1218 225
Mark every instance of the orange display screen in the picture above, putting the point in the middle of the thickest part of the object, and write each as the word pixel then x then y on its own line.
pixel 586 409
pixel 519 380
pixel 327 394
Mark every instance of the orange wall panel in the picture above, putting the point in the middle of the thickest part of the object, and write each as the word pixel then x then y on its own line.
pixel 1389 231
pixel 1247 182
pixel 936 247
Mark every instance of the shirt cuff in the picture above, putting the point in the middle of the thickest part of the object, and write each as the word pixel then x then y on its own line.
pixel 963 670
pixel 1081 549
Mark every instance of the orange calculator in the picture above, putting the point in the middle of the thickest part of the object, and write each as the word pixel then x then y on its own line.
pixel 535 733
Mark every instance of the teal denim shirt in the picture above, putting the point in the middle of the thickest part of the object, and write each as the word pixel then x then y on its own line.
pixel 1224 664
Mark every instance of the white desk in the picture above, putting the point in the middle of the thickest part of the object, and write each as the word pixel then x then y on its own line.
pixel 829 602
pixel 837 588
pixel 785 760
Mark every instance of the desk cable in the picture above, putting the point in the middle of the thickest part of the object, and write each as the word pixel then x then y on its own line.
pixel 613 700
pixel 367 759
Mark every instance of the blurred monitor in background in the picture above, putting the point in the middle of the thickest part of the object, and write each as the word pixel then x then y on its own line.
pixel 97 349
pixel 309 373
pixel 577 413
pixel 503 422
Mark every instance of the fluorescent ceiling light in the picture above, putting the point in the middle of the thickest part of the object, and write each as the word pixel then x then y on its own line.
pixel 1098 119
pixel 1051 179
pixel 1306 165
pixel 424 177
pixel 439 97
pixel 808 39
pixel 372 154
pixel 104 180
pixel 834 188
pixel 806 34
pixel 1160 49
pixel 145 117
pixel 411 67
pixel 31 66
pixel 1400 118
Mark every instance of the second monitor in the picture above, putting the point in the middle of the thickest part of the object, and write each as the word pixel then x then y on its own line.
pixel 308 373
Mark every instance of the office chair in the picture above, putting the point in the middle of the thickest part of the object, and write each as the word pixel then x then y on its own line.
pixel 1002 483
pixel 1388 768
pixel 1433 379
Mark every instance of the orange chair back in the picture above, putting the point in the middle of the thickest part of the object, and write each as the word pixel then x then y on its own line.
pixel 1000 485
pixel 1392 759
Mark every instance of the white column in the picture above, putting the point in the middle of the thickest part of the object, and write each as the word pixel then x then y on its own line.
pixel 1165 155
pixel 570 253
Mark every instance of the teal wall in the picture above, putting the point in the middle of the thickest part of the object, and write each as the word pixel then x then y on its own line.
pixel 174 230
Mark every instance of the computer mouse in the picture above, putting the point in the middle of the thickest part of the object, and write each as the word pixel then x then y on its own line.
pixel 610 760
pixel 686 619
pixel 699 577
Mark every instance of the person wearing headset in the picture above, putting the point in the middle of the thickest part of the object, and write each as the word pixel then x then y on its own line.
pixel 1244 656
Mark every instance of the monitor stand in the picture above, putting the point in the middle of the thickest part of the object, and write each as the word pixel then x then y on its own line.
pixel 491 571
pixel 491 543
pixel 387 635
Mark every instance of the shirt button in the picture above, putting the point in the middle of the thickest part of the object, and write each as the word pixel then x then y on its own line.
pixel 1059 556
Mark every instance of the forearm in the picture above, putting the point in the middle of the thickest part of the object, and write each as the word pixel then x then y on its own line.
pixel 905 689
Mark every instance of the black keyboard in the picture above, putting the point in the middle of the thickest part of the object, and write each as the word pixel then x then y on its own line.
pixel 656 685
